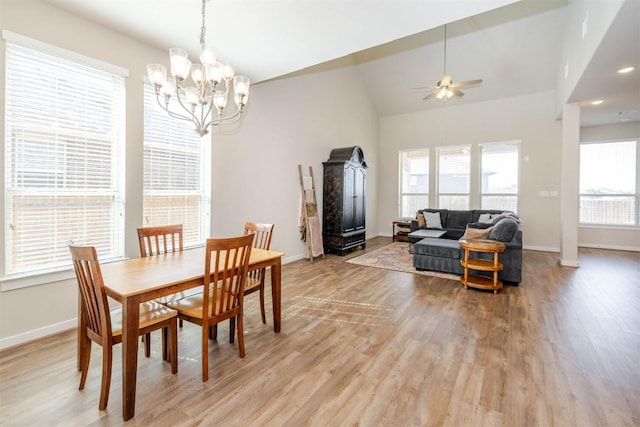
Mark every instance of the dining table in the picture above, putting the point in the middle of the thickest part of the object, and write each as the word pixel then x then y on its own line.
pixel 136 280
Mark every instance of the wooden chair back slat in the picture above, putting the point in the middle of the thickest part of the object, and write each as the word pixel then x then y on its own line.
pixel 160 239
pixel 226 264
pixel 261 240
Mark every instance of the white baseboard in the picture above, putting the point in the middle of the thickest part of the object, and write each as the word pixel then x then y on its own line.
pixel 611 247
pixel 541 248
pixel 35 334
pixel 568 263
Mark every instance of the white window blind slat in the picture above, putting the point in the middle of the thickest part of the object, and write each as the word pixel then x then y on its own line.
pixel 64 145
pixel 175 167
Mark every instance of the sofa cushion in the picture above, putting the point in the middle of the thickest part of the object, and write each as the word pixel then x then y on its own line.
pixel 476 213
pixel 504 230
pixel 476 233
pixel 442 212
pixel 458 219
pixel 443 248
pixel 432 219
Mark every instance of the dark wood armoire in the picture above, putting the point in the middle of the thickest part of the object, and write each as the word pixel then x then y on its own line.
pixel 344 203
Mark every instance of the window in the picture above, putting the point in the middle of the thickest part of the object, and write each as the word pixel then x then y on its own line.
pixel 176 173
pixel 499 176
pixel 414 181
pixel 64 140
pixel 453 177
pixel 609 183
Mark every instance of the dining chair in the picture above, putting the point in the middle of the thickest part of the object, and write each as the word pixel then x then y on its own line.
pixel 160 239
pixel 255 278
pixel 225 271
pixel 104 326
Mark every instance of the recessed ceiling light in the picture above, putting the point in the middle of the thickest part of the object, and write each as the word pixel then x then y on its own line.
pixel 626 70
pixel 597 102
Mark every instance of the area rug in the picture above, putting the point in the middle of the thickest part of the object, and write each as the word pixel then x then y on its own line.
pixel 396 256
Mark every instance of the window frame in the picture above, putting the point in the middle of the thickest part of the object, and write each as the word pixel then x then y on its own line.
pixel 481 191
pixel 60 269
pixel 402 213
pixel 439 194
pixel 635 196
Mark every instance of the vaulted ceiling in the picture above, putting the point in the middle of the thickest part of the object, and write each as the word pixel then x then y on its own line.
pixel 514 46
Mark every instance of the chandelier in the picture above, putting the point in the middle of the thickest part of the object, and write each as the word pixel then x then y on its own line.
pixel 212 81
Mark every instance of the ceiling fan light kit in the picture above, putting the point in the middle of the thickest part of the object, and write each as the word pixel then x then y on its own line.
pixel 446 88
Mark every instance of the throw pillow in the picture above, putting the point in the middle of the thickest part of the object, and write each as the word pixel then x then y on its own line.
pixel 421 222
pixel 432 219
pixel 504 230
pixel 485 218
pixel 476 233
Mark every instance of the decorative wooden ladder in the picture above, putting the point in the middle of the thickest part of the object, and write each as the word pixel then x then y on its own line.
pixel 310 223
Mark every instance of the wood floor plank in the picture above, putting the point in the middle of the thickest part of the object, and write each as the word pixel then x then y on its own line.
pixel 371 347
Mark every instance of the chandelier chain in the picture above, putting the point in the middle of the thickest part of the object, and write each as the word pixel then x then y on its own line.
pixel 203 29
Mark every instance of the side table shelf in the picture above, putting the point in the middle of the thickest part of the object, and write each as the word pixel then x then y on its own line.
pixel 401 230
pixel 469 263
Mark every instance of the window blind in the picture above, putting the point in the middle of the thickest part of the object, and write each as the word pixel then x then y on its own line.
pixel 176 173
pixel 64 140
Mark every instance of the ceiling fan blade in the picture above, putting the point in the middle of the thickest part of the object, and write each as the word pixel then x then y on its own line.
pixel 428 97
pixel 467 83
pixel 425 88
pixel 455 91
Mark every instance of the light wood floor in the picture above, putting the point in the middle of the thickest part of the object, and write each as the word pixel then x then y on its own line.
pixel 370 347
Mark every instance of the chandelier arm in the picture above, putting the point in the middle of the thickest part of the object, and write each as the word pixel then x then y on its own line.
pixel 207 114
pixel 191 115
pixel 226 120
pixel 171 113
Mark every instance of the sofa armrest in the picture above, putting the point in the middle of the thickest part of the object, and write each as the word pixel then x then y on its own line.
pixel 414 225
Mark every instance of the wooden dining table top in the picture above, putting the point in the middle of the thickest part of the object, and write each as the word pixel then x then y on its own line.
pixel 143 276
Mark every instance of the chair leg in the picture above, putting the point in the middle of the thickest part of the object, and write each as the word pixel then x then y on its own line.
pixel 232 327
pixel 264 318
pixel 107 361
pixel 173 345
pixel 84 362
pixel 147 344
pixel 205 354
pixel 240 336
pixel 213 332
pixel 165 342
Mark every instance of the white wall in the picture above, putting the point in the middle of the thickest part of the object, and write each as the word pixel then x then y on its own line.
pixel 529 119
pixel 291 122
pixel 254 166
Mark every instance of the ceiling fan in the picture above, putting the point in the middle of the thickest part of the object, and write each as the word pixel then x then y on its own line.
pixel 446 88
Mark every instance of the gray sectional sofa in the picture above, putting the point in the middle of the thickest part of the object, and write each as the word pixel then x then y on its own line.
pixel 444 254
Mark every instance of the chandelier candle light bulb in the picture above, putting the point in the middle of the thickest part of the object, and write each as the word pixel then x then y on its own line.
pixel 212 80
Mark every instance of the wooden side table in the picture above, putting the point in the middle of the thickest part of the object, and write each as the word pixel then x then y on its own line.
pixel 401 228
pixel 469 263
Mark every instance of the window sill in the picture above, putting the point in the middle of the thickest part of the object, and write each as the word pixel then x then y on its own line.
pixel 610 227
pixel 27 280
